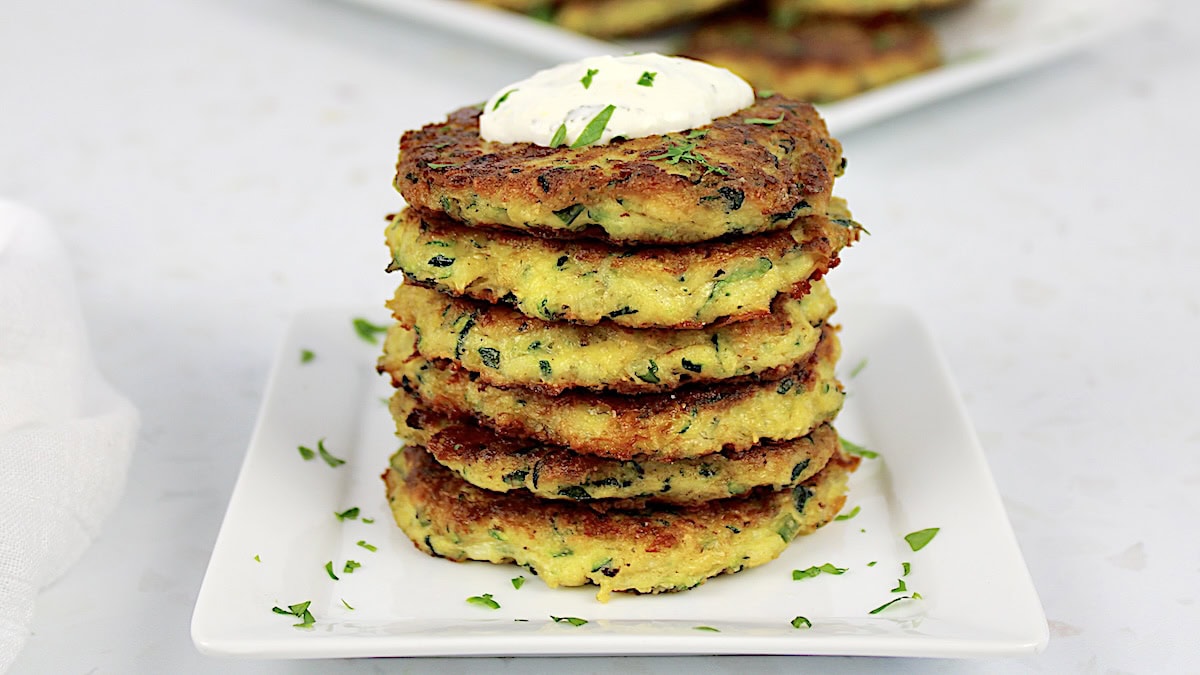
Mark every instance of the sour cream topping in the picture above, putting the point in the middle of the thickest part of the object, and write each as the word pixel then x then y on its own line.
pixel 603 97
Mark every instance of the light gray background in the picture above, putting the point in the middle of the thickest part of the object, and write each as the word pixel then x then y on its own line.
pixel 215 165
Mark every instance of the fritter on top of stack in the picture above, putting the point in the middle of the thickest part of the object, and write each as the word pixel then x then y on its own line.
pixel 614 364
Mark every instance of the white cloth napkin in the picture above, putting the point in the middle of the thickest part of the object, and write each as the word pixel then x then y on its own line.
pixel 65 435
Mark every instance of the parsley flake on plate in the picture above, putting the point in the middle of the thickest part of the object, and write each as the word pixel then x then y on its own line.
pixel 484 600
pixel 827 568
pixel 332 461
pixel 889 603
pixel 919 539
pixel 707 628
pixel 647 79
pixel 586 80
pixel 369 331
pixel 370 547
pixel 351 565
pixel 518 582
pixel 329 570
pixel 801 622
pixel 573 620
pixel 349 514
pixel 848 516
pixel 307 355
pixel 300 611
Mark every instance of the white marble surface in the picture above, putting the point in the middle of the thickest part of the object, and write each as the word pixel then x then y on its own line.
pixel 214 165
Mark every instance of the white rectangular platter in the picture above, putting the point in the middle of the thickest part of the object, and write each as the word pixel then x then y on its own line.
pixel 280 530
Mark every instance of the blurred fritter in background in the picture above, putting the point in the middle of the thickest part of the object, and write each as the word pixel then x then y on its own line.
pixel 816 50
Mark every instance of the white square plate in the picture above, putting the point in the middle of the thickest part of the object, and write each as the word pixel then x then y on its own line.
pixel 983 42
pixel 978 598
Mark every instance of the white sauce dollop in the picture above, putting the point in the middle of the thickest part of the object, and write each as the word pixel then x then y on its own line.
pixel 682 94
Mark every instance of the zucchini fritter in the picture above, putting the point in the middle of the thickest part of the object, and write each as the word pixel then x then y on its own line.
pixel 651 550
pixel 500 464
pixel 821 58
pixel 620 18
pixel 735 176
pixel 691 421
pixel 507 348
pixel 587 282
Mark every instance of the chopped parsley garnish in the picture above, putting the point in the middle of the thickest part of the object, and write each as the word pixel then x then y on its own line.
pixel 686 152
pixel 907 568
pixel 856 449
pixel 764 121
pixel 697 133
pixel 901 587
pixel 367 330
pixel 351 565
pixel 827 568
pixel 847 516
pixel 801 622
pixel 889 603
pixel 503 98
pixel 484 600
pixel 573 620
pixel 518 582
pixel 591 133
pixel 919 539
pixel 347 605
pixel 370 547
pixel 368 521
pixel 858 368
pixel 329 570
pixel 306 453
pixel 560 136
pixel 766 93
pixel 873 563
pixel 586 80
pixel 307 355
pixel 300 611
pixel 349 514
pixel 707 628
pixel 332 461
pixel 257 559
pixel 647 79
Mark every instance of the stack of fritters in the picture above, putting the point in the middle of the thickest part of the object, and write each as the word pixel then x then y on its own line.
pixel 614 364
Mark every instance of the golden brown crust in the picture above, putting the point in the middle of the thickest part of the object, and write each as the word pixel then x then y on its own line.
pixel 691 421
pixel 651 550
pixel 506 348
pixel 819 58
pixel 753 178
pixel 500 464
pixel 587 282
